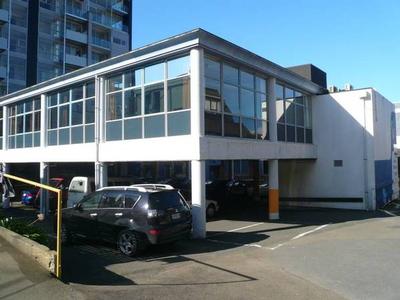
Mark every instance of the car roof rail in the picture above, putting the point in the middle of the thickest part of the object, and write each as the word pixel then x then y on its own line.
pixel 138 188
pixel 155 186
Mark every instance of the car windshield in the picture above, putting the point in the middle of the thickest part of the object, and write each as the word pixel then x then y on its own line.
pixel 165 200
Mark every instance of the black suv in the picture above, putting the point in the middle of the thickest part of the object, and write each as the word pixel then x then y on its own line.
pixel 130 216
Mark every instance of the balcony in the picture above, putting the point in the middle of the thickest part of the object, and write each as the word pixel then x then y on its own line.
pixel 3 16
pixel 3 72
pixel 3 44
pixel 77 12
pixel 120 7
pixel 80 61
pixel 80 37
pixel 101 42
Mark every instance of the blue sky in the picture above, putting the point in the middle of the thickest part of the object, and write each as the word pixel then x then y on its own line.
pixel 353 41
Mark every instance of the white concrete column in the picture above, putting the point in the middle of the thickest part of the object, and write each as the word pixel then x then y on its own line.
pixel 5 128
pixel 44 194
pixel 6 200
pixel 43 121
pixel 101 174
pixel 197 92
pixel 273 191
pixel 271 109
pixel 198 198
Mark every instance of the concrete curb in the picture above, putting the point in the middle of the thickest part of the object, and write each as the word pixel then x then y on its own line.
pixel 41 254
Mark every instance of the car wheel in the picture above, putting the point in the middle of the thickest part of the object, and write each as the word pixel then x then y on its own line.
pixel 211 211
pixel 129 243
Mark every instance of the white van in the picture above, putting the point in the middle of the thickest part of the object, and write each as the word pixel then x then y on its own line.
pixel 78 188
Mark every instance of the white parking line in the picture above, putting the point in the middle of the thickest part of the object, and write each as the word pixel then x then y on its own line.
pixel 245 227
pixel 308 232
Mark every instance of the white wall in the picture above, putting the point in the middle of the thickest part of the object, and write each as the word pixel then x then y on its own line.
pixel 338 133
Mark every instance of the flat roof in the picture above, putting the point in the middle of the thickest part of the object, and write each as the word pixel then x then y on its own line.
pixel 200 38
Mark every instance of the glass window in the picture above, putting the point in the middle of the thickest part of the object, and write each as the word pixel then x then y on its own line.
pixel 179 123
pixel 230 74
pixel 231 126
pixel 290 112
pixel 114 131
pixel 90 89
pixel 52 137
pixel 77 135
pixel 52 99
pixel 212 69
pixel 262 130
pixel 64 96
pixel 63 136
pixel 89 133
pixel 91 201
pixel 290 133
pixel 289 94
pixel 77 113
pixel 133 78
pixel 114 106
pixel 28 106
pixel 20 124
pixel 247 103
pixel 28 122
pixel 248 128
pixel 280 109
pixel 300 135
pixel 246 80
pixel 154 73
pixel 53 117
pixel 63 116
pixel 213 123
pixel 36 122
pixel 281 132
pixel 89 111
pixel 114 83
pixel 231 99
pixel 213 95
pixel 299 115
pixel 77 93
pixel 112 199
pixel 298 97
pixel 261 106
pixel 278 92
pixel 28 140
pixel 178 94
pixel 133 101
pixel 154 99
pixel 261 85
pixel 154 126
pixel 133 128
pixel 178 67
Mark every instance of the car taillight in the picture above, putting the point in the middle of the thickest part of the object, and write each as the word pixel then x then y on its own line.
pixel 154 231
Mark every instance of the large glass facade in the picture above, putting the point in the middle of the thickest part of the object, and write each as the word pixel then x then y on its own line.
pixel 71 115
pixel 24 124
pixel 152 101
pixel 293 110
pixel 236 101
pixel 1 128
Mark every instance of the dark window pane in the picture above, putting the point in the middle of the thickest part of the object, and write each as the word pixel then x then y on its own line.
pixel 309 136
pixel 230 74
pixel 213 95
pixel 299 115
pixel 261 85
pixel 280 111
pixel 231 99
pixel 179 123
pixel 37 104
pixel 90 89
pixel 178 67
pixel 289 94
pixel 28 106
pixel 248 128
pixel 231 126
pixel 20 124
pixel 20 108
pixel 281 132
pixel 291 133
pixel 64 96
pixel 212 69
pixel 52 99
pixel 290 112
pixel 133 128
pixel 52 137
pixel 262 130
pixel 114 83
pixel 246 80
pixel 154 126
pixel 77 93
pixel 36 139
pixel 261 106
pixel 11 142
pixel 63 136
pixel 300 135
pixel 133 78
pixel 64 116
pixel 36 124
pixel 53 117
pixel 154 99
pixel 114 131
pixel 114 106
pixel 28 122
pixel 12 125
pixel 154 73
pixel 77 135
pixel 28 140
pixel 213 124
pixel 278 92
pixel 89 111
pixel 89 133
pixel 247 103
pixel 77 113
pixel 19 141
pixel 298 97
pixel 178 94
pixel 133 100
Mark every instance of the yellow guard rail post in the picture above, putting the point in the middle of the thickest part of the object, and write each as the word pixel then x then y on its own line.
pixel 59 206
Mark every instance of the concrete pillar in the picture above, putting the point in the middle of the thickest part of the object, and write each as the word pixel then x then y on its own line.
pixel 198 198
pixel 273 192
pixel 43 121
pixel 101 174
pixel 5 128
pixel 5 200
pixel 44 194
pixel 271 109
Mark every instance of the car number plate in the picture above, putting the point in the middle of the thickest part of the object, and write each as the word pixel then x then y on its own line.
pixel 176 216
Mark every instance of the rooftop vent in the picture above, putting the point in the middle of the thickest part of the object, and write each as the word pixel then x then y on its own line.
pixel 333 89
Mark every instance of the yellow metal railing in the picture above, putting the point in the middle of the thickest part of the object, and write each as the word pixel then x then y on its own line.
pixel 59 207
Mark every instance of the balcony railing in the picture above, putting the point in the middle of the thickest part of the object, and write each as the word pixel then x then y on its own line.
pixel 101 42
pixel 76 11
pixel 121 6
